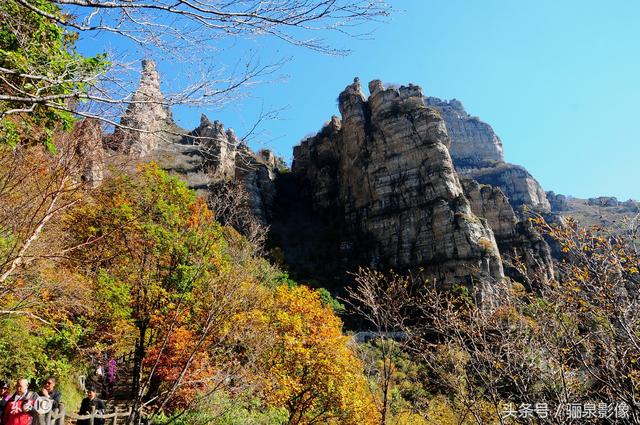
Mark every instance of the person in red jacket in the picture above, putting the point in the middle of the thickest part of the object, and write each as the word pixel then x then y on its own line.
pixel 19 410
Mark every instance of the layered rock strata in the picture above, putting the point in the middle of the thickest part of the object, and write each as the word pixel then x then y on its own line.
pixel 477 152
pixel 474 144
pixel 526 257
pixel 385 165
pixel 521 188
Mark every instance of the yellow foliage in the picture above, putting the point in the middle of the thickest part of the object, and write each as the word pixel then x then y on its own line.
pixel 305 363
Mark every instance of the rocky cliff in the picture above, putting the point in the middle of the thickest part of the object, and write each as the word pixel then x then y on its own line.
pixel 386 167
pixel 520 187
pixel 203 157
pixel 477 153
pixel 383 175
pixel 474 144
pixel 525 255
pixel 387 184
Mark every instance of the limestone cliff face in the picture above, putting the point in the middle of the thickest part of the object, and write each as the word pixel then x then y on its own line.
pixel 375 187
pixel 517 183
pixel 257 172
pixel 386 167
pixel 146 118
pixel 525 255
pixel 474 144
pixel 477 153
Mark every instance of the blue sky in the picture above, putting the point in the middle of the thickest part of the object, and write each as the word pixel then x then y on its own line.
pixel 559 81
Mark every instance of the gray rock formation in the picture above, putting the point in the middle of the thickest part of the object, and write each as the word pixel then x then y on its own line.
pixel 477 153
pixel 257 173
pixel 603 201
pixel 204 158
pixel 385 165
pixel 375 187
pixel 525 255
pixel 474 144
pixel 517 183
pixel 216 147
pixel 201 157
pixel 147 118
pixel 631 205
pixel 88 133
pixel 557 201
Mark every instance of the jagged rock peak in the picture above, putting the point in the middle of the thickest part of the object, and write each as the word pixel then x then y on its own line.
pixel 477 152
pixel 149 71
pixel 217 146
pixel 147 117
pixel 204 120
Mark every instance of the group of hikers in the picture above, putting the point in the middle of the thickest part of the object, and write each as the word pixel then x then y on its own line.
pixel 24 407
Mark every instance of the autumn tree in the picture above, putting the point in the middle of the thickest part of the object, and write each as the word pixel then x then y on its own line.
pixel 148 243
pixel 36 190
pixel 573 341
pixel 305 363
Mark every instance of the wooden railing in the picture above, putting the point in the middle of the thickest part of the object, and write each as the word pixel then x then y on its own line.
pixel 60 416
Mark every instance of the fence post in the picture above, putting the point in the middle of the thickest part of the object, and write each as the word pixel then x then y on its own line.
pixel 62 412
pixel 115 417
pixel 93 415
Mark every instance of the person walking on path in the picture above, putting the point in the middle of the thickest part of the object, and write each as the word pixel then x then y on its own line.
pixel 112 373
pixel 87 407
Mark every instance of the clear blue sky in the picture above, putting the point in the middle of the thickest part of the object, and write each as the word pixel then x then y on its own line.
pixel 559 81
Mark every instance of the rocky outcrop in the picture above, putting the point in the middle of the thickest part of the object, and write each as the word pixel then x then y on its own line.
pixel 603 201
pixel 257 173
pixel 517 183
pixel 375 187
pixel 147 118
pixel 89 137
pixel 490 203
pixel 525 255
pixel 631 205
pixel 477 153
pixel 557 201
pixel 474 144
pixel 386 167
pixel 204 157
pixel 216 146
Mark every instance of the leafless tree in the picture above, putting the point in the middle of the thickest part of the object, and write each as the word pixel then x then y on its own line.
pixel 230 204
pixel 205 34
pixel 382 301
pixel 573 341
